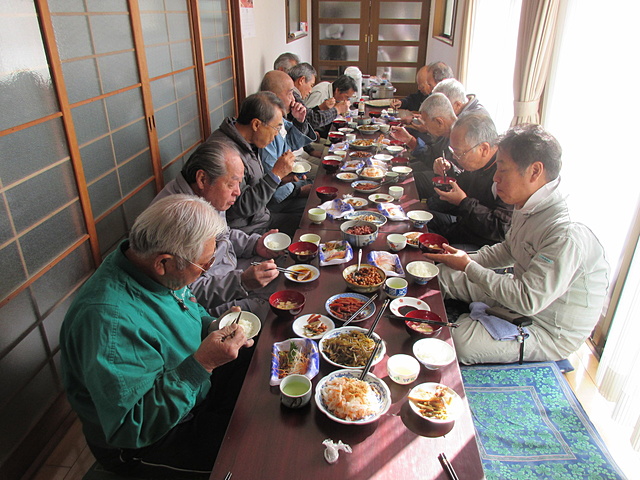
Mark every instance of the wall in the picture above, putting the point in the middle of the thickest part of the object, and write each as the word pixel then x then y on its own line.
pixel 270 41
pixel 441 51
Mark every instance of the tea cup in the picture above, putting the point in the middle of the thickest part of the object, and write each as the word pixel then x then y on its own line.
pixel 295 391
pixel 311 238
pixel 317 215
pixel 396 241
pixel 396 192
pixel 395 287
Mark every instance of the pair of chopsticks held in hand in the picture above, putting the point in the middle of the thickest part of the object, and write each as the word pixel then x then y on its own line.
pixel 280 269
pixel 232 334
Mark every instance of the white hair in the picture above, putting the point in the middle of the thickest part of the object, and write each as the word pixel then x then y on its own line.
pixel 438 106
pixel 179 225
pixel 452 89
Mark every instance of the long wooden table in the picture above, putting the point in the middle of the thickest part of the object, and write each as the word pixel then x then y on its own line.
pixel 265 440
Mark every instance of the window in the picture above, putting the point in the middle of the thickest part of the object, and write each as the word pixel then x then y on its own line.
pixel 297 25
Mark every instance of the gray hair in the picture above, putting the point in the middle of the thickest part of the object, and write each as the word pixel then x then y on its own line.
pixel 211 157
pixel 478 128
pixel 303 69
pixel 440 71
pixel 437 105
pixel 179 225
pixel 261 105
pixel 529 143
pixel 285 61
pixel 452 89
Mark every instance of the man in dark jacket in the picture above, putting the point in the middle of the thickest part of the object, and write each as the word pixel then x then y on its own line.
pixel 258 123
pixel 470 214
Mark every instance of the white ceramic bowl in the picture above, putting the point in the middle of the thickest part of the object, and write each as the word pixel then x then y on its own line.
pixel 277 242
pixel 419 217
pixel 403 172
pixel 337 158
pixel 395 150
pixel 317 215
pixel 383 156
pixel 310 237
pixel 250 322
pixel 433 353
pixel 403 369
pixel 345 130
pixel 421 272
pixel 454 406
pixel 301 168
pixel 368 129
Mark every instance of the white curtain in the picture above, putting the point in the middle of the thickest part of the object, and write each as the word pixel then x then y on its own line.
pixel 587 107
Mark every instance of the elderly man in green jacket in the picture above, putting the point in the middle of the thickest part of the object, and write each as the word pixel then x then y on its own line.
pixel 143 364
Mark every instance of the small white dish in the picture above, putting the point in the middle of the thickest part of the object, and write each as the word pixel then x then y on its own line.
pixel 454 405
pixel 347 176
pixel 395 149
pixel 380 198
pixel 300 322
pixel 433 353
pixel 403 369
pixel 414 303
pixel 383 156
pixel 412 238
pixel 303 268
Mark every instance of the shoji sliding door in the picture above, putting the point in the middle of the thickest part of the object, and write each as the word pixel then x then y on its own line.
pixel 101 102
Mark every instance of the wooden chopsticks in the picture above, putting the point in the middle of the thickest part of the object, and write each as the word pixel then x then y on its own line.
pixel 375 322
pixel 280 269
pixel 423 320
pixel 447 467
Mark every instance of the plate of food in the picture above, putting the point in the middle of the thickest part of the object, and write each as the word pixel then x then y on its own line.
pixel 312 326
pixel 365 186
pixel 361 154
pixel 346 399
pixel 367 216
pixel 356 202
pixel 347 176
pixel 412 239
pixel 296 355
pixel 375 173
pixel 343 305
pixel 389 262
pixel 361 144
pixel 349 347
pixel 304 273
pixel 393 212
pixel 403 305
pixel 380 198
pixel 352 165
pixel 334 253
pixel 435 402
pixel 368 129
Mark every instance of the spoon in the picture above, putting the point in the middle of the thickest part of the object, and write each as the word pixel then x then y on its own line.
pixel 359 261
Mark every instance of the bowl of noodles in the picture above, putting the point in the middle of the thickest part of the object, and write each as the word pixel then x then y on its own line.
pixel 346 399
pixel 350 348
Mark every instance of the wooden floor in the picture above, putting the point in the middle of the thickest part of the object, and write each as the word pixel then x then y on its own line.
pixel 72 458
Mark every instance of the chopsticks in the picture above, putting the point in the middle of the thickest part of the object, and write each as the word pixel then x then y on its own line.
pixel 232 334
pixel 375 322
pixel 360 310
pixel 366 368
pixel 228 476
pixel 447 467
pixel 423 320
pixel 280 269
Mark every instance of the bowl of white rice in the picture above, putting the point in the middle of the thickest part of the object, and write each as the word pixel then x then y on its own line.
pixel 433 353
pixel 248 321
pixel 421 272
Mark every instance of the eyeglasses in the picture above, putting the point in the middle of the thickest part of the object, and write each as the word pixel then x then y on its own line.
pixel 460 157
pixel 205 268
pixel 276 129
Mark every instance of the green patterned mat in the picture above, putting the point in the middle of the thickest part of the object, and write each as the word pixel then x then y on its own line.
pixel 530 425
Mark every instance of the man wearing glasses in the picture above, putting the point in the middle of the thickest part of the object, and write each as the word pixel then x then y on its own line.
pixel 152 379
pixel 468 213
pixel 259 122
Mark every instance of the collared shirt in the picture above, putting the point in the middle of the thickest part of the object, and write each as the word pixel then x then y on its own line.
pixel 539 195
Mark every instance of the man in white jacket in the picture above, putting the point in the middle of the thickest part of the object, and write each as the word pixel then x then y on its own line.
pixel 214 172
pixel 560 276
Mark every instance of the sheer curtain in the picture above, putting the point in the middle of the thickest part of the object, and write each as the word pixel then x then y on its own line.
pixel 492 57
pixel 589 107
